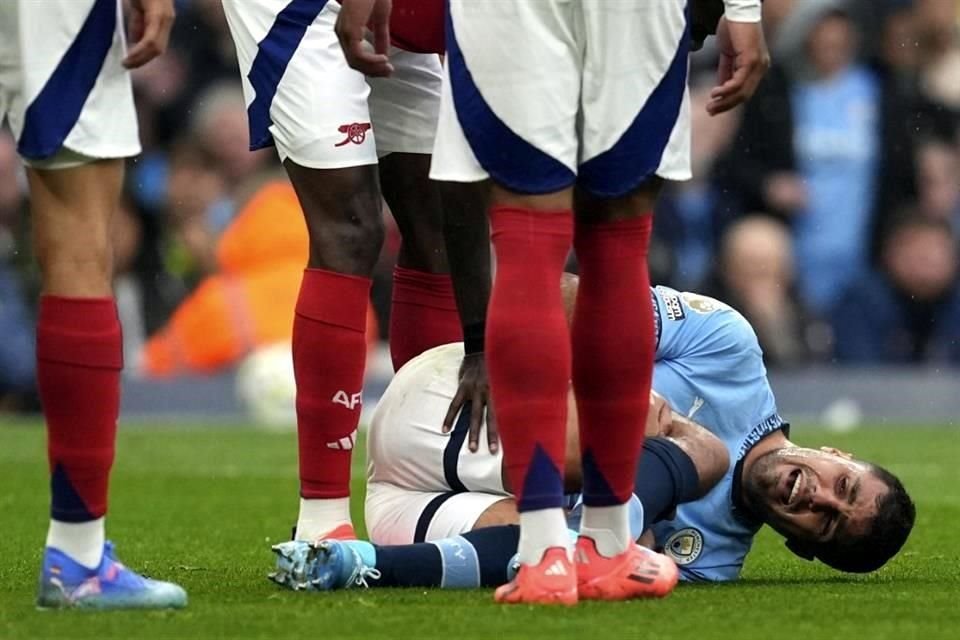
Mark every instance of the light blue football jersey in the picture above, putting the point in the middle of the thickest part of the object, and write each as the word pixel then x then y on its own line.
pixel 710 368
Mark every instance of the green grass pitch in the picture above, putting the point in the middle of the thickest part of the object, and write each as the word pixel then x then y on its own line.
pixel 201 505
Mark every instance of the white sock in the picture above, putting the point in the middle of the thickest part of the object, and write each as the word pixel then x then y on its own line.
pixel 539 531
pixel 320 517
pixel 82 541
pixel 609 527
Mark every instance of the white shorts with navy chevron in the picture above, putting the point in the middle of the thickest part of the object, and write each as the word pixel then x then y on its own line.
pixel 540 95
pixel 423 484
pixel 305 100
pixel 63 87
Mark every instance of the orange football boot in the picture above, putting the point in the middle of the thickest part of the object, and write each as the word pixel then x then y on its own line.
pixel 638 572
pixel 552 581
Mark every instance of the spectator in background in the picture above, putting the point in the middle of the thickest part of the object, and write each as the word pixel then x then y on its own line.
pixel 909 311
pixel 754 274
pixel 210 166
pixel 938 31
pixel 938 169
pixel 825 145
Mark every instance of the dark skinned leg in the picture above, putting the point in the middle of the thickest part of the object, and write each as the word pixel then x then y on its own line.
pixel 423 313
pixel 343 214
pixel 342 209
pixel 414 201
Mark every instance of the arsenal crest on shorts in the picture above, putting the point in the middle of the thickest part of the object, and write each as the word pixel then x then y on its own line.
pixel 356 133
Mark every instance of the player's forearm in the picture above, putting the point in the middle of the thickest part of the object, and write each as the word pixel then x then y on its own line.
pixel 706 451
pixel 467 237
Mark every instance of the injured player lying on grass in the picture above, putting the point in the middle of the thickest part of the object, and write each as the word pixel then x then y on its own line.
pixel 439 515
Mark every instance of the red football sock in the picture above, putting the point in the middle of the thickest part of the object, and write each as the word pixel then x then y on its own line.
pixel 423 314
pixel 528 350
pixel 79 358
pixel 329 354
pixel 613 345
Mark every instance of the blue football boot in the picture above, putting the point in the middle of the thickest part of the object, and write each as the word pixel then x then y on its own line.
pixel 65 583
pixel 324 565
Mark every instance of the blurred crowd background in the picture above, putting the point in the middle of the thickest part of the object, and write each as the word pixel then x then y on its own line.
pixel 827 210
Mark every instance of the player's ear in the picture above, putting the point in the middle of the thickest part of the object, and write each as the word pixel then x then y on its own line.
pixel 837 452
pixel 800 549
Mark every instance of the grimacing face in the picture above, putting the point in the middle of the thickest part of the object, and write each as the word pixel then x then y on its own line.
pixel 814 495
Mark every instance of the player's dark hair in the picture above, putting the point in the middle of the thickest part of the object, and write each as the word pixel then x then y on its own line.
pixel 895 517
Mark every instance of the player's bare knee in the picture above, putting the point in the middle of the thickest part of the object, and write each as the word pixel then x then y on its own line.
pixel 350 244
pixel 343 211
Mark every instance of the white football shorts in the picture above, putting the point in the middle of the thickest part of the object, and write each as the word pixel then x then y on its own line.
pixel 540 95
pixel 423 484
pixel 303 98
pixel 63 87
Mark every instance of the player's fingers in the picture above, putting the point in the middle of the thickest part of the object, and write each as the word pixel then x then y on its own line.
pixel 724 69
pixel 349 29
pixel 153 42
pixel 368 62
pixel 381 38
pixel 722 105
pixel 733 84
pixel 738 90
pixel 136 29
pixel 476 423
pixel 135 25
pixel 493 436
pixel 455 405
pixel 731 93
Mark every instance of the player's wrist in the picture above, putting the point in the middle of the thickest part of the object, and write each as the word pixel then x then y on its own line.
pixel 742 10
pixel 473 335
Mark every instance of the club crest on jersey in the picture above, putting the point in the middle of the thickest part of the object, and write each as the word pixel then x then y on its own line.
pixel 350 401
pixel 673 308
pixel 356 133
pixel 702 304
pixel 684 546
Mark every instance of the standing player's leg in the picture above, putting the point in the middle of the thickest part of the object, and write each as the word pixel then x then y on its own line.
pixel 79 347
pixel 70 106
pixel 342 210
pixel 510 114
pixel 304 99
pixel 403 109
pixel 423 311
pixel 613 347
pixel 79 358
pixel 630 133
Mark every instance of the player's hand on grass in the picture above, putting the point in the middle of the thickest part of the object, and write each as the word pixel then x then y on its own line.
pixel 475 389
pixel 354 18
pixel 149 27
pixel 743 61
